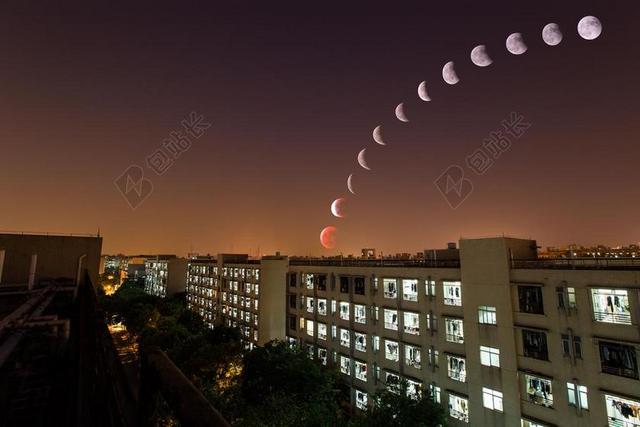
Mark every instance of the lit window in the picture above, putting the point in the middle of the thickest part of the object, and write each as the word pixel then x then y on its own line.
pixel 455 331
pixel 345 338
pixel 492 399
pixel 611 306
pixel 433 357
pixel 412 356
pixel 322 307
pixel 344 310
pixel 393 381
pixel 322 331
pixel 412 323
pixel 334 306
pixel 390 288
pixel 487 315
pixel 310 328
pixel 391 319
pixel 361 400
pixel 459 407
pixel 430 287
pixel 334 331
pixel 570 350
pixel 577 395
pixel 457 368
pixel 490 356
pixel 622 412
pixel 361 371
pixel 410 289
pixel 432 321
pixel 308 279
pixel 434 392
pixel 360 341
pixel 322 355
pixel 452 293
pixel 360 313
pixel 310 304
pixel 539 390
pixel 345 365
pixel 391 350
pixel 375 342
pixel 414 389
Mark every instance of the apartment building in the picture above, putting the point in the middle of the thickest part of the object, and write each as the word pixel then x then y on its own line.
pixel 500 337
pixel 233 290
pixel 165 275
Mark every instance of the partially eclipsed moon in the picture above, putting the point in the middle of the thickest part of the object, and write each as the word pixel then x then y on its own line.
pixel 328 237
pixel 449 73
pixel 337 207
pixel 350 184
pixel 377 135
pixel 362 161
pixel 400 113
pixel 551 34
pixel 422 92
pixel 480 56
pixel 516 44
pixel 589 28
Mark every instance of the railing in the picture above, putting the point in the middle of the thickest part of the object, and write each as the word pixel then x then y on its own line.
pixel 608 317
pixel 159 376
pixel 578 263
pixel 47 233
pixel 620 371
pixel 540 400
pixel 354 262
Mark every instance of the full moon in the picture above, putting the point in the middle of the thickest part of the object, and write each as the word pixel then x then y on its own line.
pixel 362 161
pixel 400 113
pixel 589 28
pixel 515 44
pixel 480 56
pixel 551 34
pixel 328 237
pixel 449 73
pixel 337 207
pixel 422 92
pixel 377 135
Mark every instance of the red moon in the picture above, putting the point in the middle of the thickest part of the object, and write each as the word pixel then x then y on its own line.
pixel 328 237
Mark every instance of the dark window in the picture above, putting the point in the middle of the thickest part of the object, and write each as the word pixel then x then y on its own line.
pixel 358 285
pixel 292 323
pixel 535 344
pixel 292 300
pixel 618 359
pixel 566 346
pixel 322 282
pixel 292 279
pixel 344 285
pixel 560 294
pixel 530 298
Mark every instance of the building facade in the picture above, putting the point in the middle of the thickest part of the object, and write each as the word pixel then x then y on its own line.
pixel 499 336
pixel 165 275
pixel 238 292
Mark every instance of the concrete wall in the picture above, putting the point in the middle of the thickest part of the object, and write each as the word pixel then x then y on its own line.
pixel 57 256
pixel 272 299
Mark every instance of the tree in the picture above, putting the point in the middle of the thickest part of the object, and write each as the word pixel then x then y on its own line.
pixel 396 408
pixel 280 386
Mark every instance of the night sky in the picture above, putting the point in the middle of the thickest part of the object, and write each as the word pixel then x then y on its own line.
pixel 292 93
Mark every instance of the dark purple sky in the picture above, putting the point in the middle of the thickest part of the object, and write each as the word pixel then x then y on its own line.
pixel 293 93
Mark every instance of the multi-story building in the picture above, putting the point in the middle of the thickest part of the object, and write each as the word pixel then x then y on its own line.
pixel 238 292
pixel 165 275
pixel 499 336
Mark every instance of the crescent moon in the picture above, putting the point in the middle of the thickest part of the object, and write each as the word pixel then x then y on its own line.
pixel 422 92
pixel 362 161
pixel 551 34
pixel 449 73
pixel 589 28
pixel 400 113
pixel 516 44
pixel 480 56
pixel 337 208
pixel 377 135
pixel 328 237
pixel 350 184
